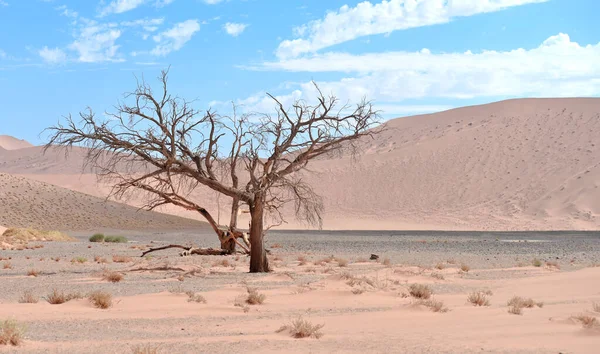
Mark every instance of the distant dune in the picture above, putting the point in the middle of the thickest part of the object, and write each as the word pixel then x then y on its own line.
pixel 29 203
pixel 525 164
pixel 9 143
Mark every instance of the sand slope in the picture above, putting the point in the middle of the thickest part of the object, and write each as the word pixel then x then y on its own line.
pixel 29 203
pixel 512 165
pixel 10 143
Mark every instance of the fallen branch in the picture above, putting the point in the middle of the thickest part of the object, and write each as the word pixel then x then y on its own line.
pixel 191 250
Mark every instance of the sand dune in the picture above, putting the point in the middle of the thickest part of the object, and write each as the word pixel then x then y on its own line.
pixel 29 203
pixel 10 143
pixel 512 165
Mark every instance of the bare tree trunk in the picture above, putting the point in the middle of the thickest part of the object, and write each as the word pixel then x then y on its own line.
pixel 227 243
pixel 235 208
pixel 258 256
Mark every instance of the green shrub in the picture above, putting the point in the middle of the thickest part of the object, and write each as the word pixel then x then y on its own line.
pixel 97 238
pixel 116 239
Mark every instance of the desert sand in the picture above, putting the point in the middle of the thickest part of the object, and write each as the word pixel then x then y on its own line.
pixel 525 164
pixel 364 305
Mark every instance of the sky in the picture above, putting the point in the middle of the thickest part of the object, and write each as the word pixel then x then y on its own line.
pixel 58 57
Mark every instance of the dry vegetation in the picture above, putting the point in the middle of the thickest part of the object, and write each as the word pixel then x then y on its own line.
pixel 586 321
pixel 536 262
pixel 111 276
pixel 254 297
pixel 596 306
pixel 79 260
pixel 420 291
pixel 342 262
pixel 11 333
pixel 193 297
pixel 121 259
pixel 33 272
pixel 465 268
pixel 100 299
pixel 7 265
pixel 478 298
pixel 517 304
pixel 146 349
pixel 57 297
pixel 434 305
pixel 24 235
pixel 387 262
pixel 553 264
pixel 301 328
pixel 28 298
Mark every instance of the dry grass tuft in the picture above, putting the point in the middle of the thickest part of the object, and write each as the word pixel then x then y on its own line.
pixel 121 259
pixel 113 277
pixel 28 298
pixel 100 299
pixel 57 297
pixel 25 235
pixel 517 303
pixel 301 328
pixel 596 306
pixel 465 268
pixel 515 310
pixel 302 260
pixel 536 262
pixel 7 265
pixel 440 266
pixel 434 305
pixel 33 272
pixel 478 298
pixel 254 297
pixel 587 321
pixel 420 291
pixel 276 245
pixel 437 276
pixel 342 262
pixel 80 260
pixel 11 333
pixel 193 297
pixel 146 349
pixel 100 260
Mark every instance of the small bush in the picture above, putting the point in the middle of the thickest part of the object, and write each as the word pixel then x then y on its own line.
pixel 276 245
pixel 478 298
pixel 302 260
pixel 420 291
pixel 440 266
pixel 97 238
pixel 100 299
pixel 342 262
pixel 113 277
pixel 28 298
pixel 79 260
pixel 33 272
pixel 100 260
pixel 7 265
pixel 192 297
pixel 552 264
pixel 536 262
pixel 116 239
pixel 57 297
pixel 437 276
pixel 434 305
pixel 465 268
pixel 146 349
pixel 11 333
pixel 222 263
pixel 301 328
pixel 254 297
pixel 587 321
pixel 357 291
pixel 515 310
pixel 517 303
pixel 121 259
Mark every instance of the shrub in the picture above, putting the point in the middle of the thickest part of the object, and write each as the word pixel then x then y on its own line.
pixel 254 297
pixel 301 328
pixel 478 298
pixel 116 239
pixel 145 349
pixel 57 297
pixel 302 260
pixel 79 260
pixel 440 266
pixel 121 259
pixel 342 262
pixel 420 291
pixel 97 238
pixel 11 333
pixel 587 321
pixel 7 265
pixel 100 299
pixel 434 305
pixel 28 298
pixel 437 276
pixel 192 297
pixel 33 272
pixel 536 262
pixel 465 268
pixel 596 306
pixel 113 277
pixel 517 303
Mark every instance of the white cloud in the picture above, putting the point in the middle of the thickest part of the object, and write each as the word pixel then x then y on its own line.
pixel 365 19
pixel 2 54
pixel 556 68
pixel 3 3
pixel 212 2
pixel 53 55
pixel 120 6
pixel 161 3
pixel 234 29
pixel 175 38
pixel 96 43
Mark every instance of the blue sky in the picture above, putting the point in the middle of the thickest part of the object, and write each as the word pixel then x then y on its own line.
pixel 408 56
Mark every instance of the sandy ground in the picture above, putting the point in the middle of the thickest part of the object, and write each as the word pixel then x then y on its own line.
pixel 527 164
pixel 376 314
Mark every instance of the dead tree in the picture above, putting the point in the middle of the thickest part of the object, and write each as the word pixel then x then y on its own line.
pixel 159 144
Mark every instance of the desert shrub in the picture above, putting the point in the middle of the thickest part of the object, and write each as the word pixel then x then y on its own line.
pixel 342 262
pixel 113 277
pixel 7 265
pixel 552 264
pixel 302 260
pixel 254 297
pixel 587 321
pixel 357 291
pixel 276 245
pixel 536 262
pixel 121 259
pixel 192 297
pixel 57 297
pixel 478 298
pixel 146 349
pixel 11 333
pixel 97 238
pixel 420 291
pixel 437 276
pixel 78 260
pixel 33 272
pixel 222 263
pixel 517 303
pixel 440 266
pixel 100 299
pixel 596 306
pixel 116 239
pixel 434 305
pixel 465 268
pixel 301 328
pixel 28 298
pixel 515 310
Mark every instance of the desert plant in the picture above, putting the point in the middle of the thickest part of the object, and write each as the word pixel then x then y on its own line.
pixel 7 265
pixel 420 291
pixel 193 297
pixel 97 238
pixel 254 297
pixel 146 349
pixel 11 333
pixel 276 245
pixel 437 276
pixel 552 264
pixel 33 272
pixel 465 268
pixel 536 262
pixel 587 321
pixel 357 291
pixel 440 266
pixel 478 298
pixel 113 277
pixel 596 306
pixel 301 328
pixel 57 297
pixel 222 263
pixel 28 298
pixel 342 262
pixel 121 259
pixel 116 239
pixel 100 299
pixel 302 260
pixel 434 305
pixel 78 260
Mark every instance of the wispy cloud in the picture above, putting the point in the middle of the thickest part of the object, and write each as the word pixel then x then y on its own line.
pixel 175 38
pixel 120 6
pixel 3 3
pixel 366 18
pixel 53 55
pixel 234 29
